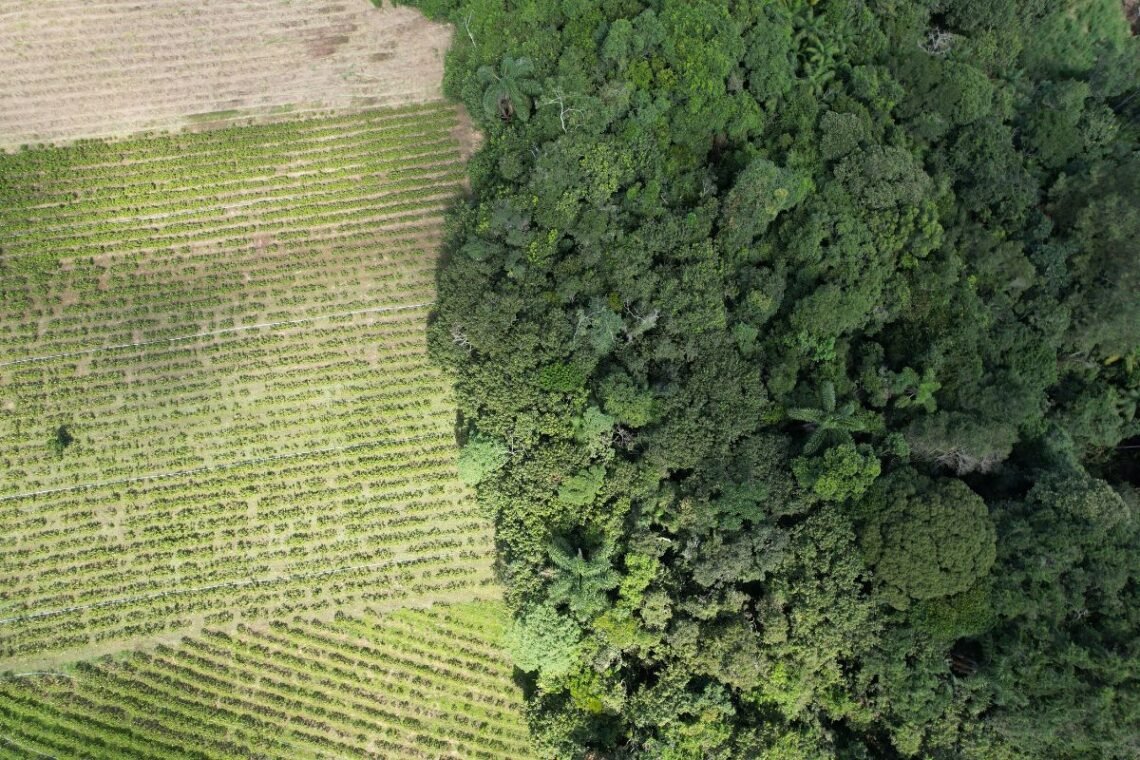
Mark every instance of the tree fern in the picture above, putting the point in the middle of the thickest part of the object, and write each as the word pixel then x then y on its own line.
pixel 581 580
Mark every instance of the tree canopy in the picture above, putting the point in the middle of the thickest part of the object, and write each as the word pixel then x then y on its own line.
pixel 797 352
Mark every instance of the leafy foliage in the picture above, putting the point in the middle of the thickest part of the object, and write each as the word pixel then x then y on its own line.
pixel 793 303
pixel 509 89
pixel 926 538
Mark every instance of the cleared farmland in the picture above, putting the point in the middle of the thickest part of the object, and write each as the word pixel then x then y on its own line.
pixel 414 683
pixel 76 69
pixel 230 326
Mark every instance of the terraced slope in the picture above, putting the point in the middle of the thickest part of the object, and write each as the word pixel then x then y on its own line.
pixel 412 684
pixel 230 327
pixel 79 69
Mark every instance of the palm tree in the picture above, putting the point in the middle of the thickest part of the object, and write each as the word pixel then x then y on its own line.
pixel 581 581
pixel 509 90
pixel 827 422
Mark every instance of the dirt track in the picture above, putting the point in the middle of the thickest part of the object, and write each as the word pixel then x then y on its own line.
pixel 76 69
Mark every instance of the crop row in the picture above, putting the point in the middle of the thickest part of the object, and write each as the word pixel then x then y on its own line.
pixel 219 399
pixel 290 519
pixel 130 185
pixel 346 206
pixel 137 298
pixel 443 574
pixel 174 148
pixel 150 206
pixel 357 687
pixel 73 200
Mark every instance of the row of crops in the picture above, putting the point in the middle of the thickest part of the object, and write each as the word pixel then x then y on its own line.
pixel 229 329
pixel 377 524
pixel 228 484
pixel 411 684
pixel 110 243
pixel 218 400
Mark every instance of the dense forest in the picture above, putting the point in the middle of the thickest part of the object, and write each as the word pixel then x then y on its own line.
pixel 797 346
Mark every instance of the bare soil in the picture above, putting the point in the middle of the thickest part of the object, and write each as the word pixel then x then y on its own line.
pixel 79 69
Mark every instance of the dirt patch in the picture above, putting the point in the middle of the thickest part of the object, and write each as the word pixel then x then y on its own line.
pixel 470 139
pixel 261 240
pixel 1132 14
pixel 325 42
pixel 75 69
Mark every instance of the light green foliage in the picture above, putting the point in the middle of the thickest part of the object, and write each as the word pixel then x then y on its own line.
pixel 600 328
pixel 625 401
pixel 909 389
pixel 641 570
pixel 925 538
pixel 479 458
pixel 544 641
pixel 842 472
pixel 594 430
pixel 562 377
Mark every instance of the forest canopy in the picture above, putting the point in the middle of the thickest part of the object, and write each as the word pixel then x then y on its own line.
pixel 797 348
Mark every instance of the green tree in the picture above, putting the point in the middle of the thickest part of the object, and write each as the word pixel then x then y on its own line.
pixel 479 458
pixel 545 642
pixel 61 439
pixel 843 472
pixel 829 422
pixel 925 538
pixel 581 580
pixel 509 90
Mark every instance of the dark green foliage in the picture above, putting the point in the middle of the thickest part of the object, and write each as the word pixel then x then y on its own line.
pixel 925 538
pixel 1064 651
pixel 61 440
pixel 509 89
pixel 761 193
pixel 764 314
pixel 581 580
pixel 828 421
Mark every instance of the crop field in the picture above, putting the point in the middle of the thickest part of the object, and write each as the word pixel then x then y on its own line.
pixel 409 684
pixel 75 69
pixel 230 327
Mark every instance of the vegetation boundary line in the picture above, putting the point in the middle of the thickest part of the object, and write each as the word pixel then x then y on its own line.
pixel 211 333
pixel 214 467
pixel 115 602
